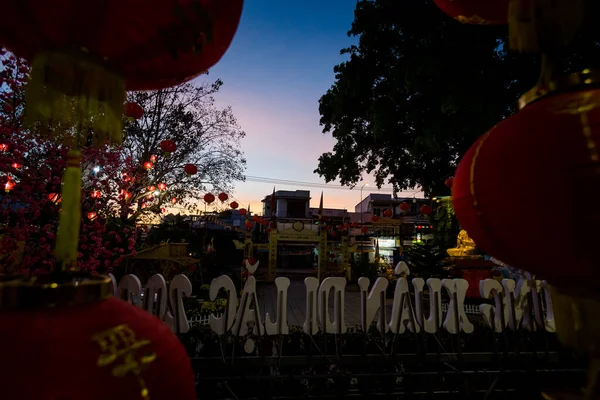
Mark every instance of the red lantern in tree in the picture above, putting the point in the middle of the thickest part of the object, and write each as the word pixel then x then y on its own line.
pixel 449 182
pixel 209 198
pixel 491 12
pixel 133 110
pixel 234 205
pixel 16 165
pixel 404 206
pixel 190 169
pixel 174 200
pixel 223 197
pixel 54 197
pixel 105 334
pixel 426 210
pixel 163 210
pixel 162 186
pixel 387 213
pixel 9 185
pixel 151 188
pixel 242 211
pixel 553 139
pixel 148 165
pixel 153 158
pixel 96 194
pixel 249 225
pixel 3 147
pixel 168 146
pixel 374 218
pixel 92 215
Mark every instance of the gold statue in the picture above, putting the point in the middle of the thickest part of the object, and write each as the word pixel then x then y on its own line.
pixel 465 246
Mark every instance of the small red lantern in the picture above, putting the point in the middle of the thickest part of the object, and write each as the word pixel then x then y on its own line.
pixel 133 110
pixel 153 158
pixel 242 211
pixel 150 196
pixel 249 225
pixel 54 197
pixel 92 215
pixel 223 197
pixel 426 210
pixel 404 206
pixel 3 147
pixel 174 200
pixel 162 186
pixel 346 226
pixel 144 205
pixel 449 182
pixel 163 210
pixel 148 165
pixel 126 195
pixel 9 185
pixel 190 169
pixel 491 12
pixel 16 165
pixel 374 218
pixel 168 146
pixel 96 194
pixel 151 188
pixel 387 213
pixel 364 229
pixel 234 205
pixel 209 198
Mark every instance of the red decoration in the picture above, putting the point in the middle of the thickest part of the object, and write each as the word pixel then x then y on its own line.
pixel 151 188
pixel 92 215
pixel 133 110
pixel 96 194
pixel 3 147
pixel 190 169
pixel 249 225
pixel 387 213
pixel 16 165
pixel 234 205
pixel 163 210
pixel 490 12
pixel 364 229
pixel 552 140
pixel 209 198
pixel 162 186
pixel 374 218
pixel 148 165
pixel 153 158
pixel 9 185
pixel 85 353
pixel 223 197
pixel 449 182
pixel 242 211
pixel 168 146
pixel 404 206
pixel 426 210
pixel 174 200
pixel 55 198
pixel 346 226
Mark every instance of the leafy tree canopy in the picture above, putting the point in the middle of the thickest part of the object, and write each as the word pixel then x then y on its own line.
pixel 418 89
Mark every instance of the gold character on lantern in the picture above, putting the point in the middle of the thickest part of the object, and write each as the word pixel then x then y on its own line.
pixel 120 348
pixel 465 246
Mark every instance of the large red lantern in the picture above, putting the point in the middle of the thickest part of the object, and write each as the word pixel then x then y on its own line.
pixel 404 206
pixel 489 12
pixel 133 110
pixel 223 197
pixel 190 169
pixel 168 146
pixel 209 198
pixel 506 186
pixel 234 205
pixel 242 211
pixel 81 335
pixel 387 213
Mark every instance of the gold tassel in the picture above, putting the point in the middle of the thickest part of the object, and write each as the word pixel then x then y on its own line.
pixel 70 89
pixel 67 239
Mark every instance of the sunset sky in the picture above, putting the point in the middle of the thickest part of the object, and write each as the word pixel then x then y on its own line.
pixel 279 64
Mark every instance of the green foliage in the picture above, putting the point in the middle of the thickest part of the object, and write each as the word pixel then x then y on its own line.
pixel 445 225
pixel 427 260
pixel 364 268
pixel 419 88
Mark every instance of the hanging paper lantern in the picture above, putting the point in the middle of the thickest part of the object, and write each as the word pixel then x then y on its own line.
pixel 150 196
pixel 144 205
pixel 234 205
pixel 374 218
pixel 92 215
pixel 387 213
pixel 129 350
pixel 163 210
pixel 125 194
pixel 3 147
pixel 168 146
pixel 268 230
pixel 153 158
pixel 151 188
pixel 449 182
pixel 223 197
pixel 404 206
pixel 209 198
pixel 16 165
pixel 242 211
pixel 133 110
pixel 162 186
pixel 148 165
pixel 54 197
pixel 9 185
pixel 249 225
pixel 190 169
pixel 489 12
pixel 554 139
pixel 426 210
pixel 364 229
pixel 174 200
pixel 96 194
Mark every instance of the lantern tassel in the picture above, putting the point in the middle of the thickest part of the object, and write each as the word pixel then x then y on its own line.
pixel 73 89
pixel 67 238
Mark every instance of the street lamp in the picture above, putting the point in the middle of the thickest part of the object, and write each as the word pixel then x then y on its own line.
pixel 361 201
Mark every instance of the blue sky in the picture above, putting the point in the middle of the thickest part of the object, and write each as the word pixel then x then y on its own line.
pixel 279 64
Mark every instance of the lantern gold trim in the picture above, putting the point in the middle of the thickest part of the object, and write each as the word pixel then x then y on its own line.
pixel 18 292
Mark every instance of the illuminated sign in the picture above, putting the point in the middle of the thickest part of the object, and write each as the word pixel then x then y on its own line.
pixel 387 243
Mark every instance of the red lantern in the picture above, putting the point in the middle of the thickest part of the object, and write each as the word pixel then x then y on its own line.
pixel 92 215
pixel 162 186
pixel 209 198
pixel 168 146
pixel 125 194
pixel 426 210
pixel 491 12
pixel 190 169
pixel 346 226
pixel 151 188
pixel 234 205
pixel 133 110
pixel 153 158
pixel 404 206
pixel 553 139
pixel 144 205
pixel 16 165
pixel 242 211
pixel 249 225
pixel 3 147
pixel 223 197
pixel 268 230
pixel 374 218
pixel 364 229
pixel 174 200
pixel 163 210
pixel 387 213
pixel 106 334
pixel 54 197
pixel 449 182
pixel 148 165
pixel 96 194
